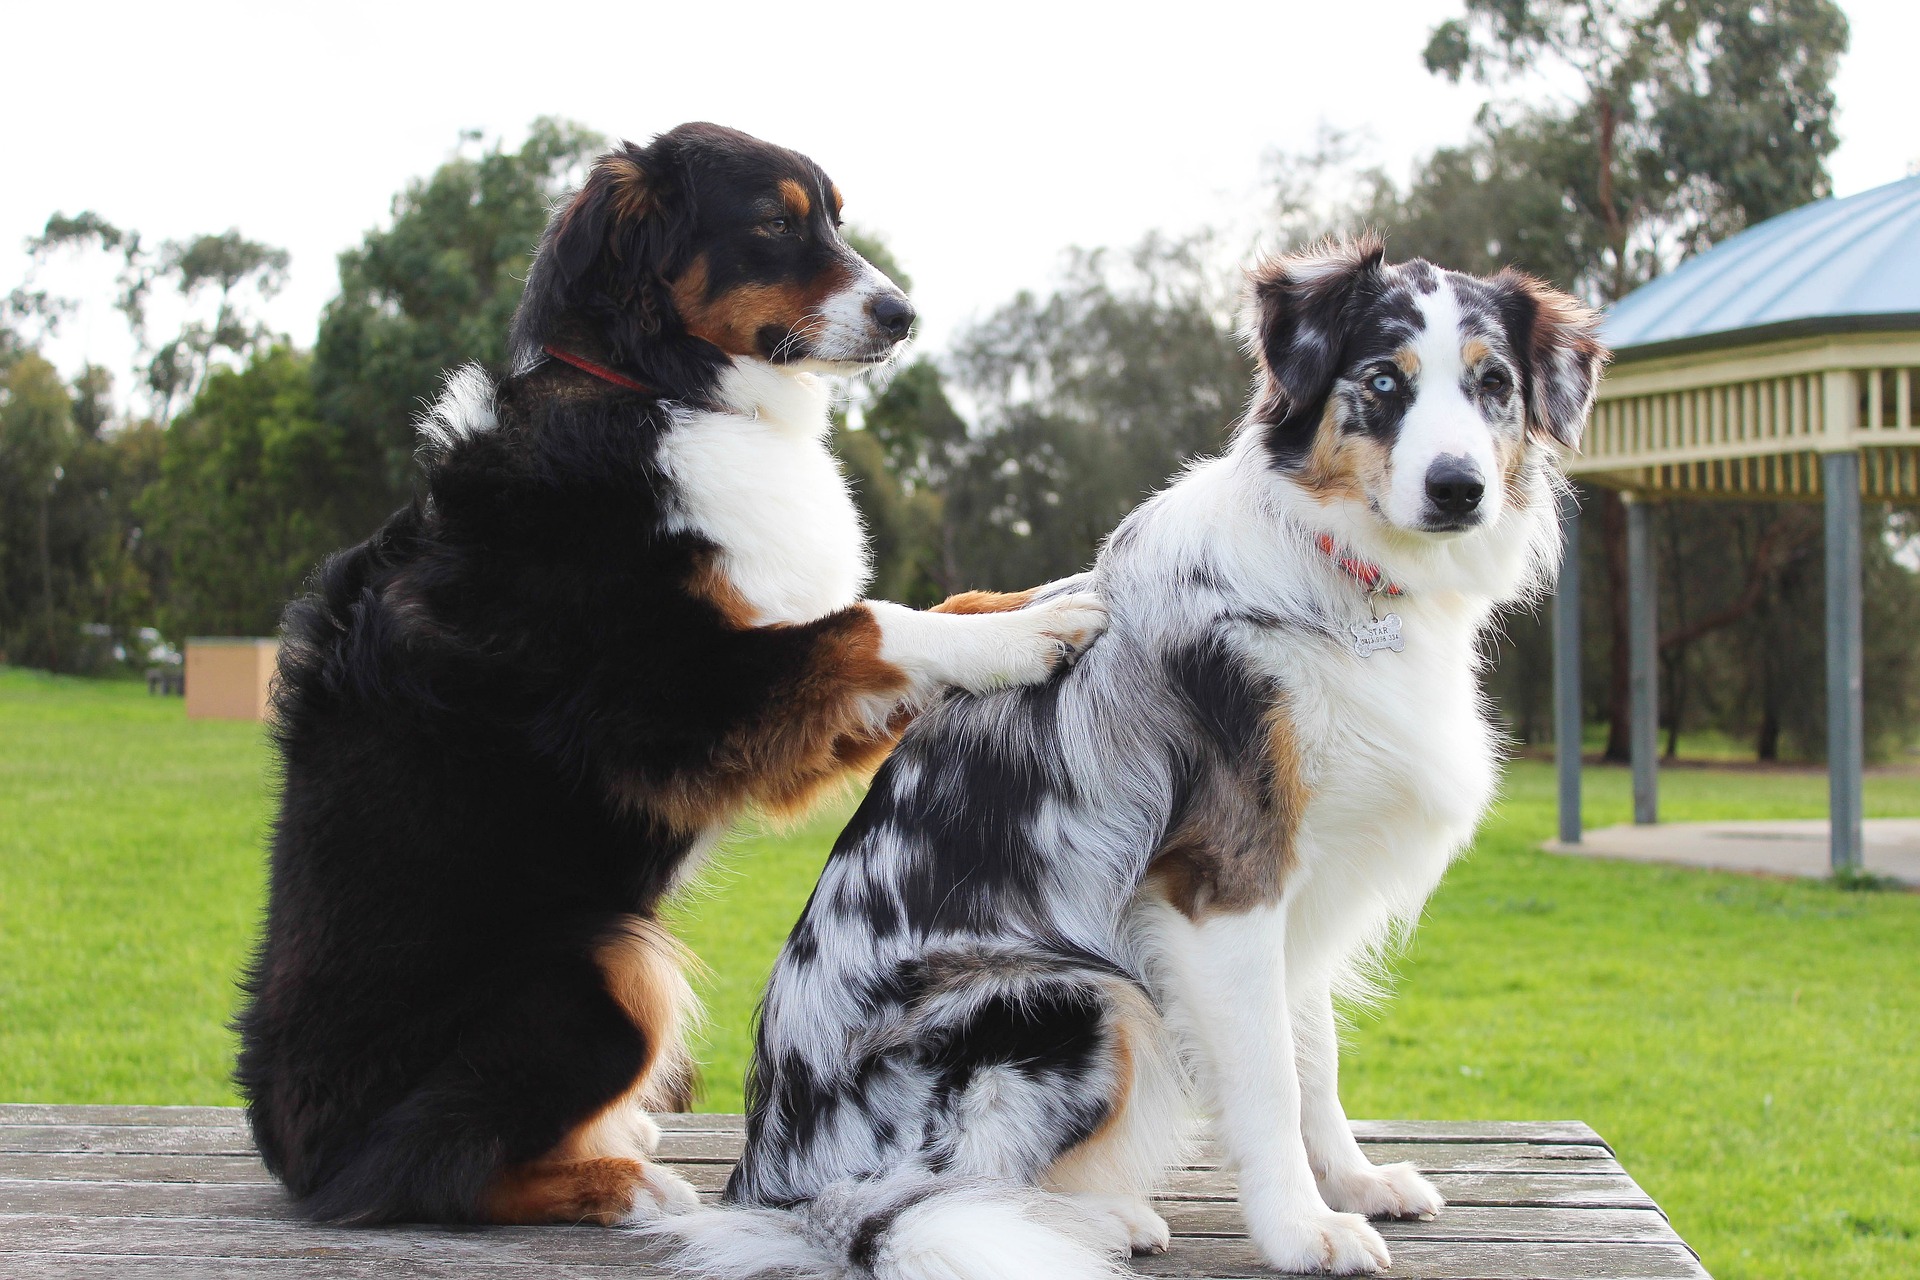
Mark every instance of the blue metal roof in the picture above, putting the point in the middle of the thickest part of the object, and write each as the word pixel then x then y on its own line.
pixel 1830 265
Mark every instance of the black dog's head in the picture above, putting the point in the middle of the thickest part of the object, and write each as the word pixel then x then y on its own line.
pixel 704 246
pixel 1413 393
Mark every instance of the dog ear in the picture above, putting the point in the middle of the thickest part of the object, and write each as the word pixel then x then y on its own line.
pixel 620 243
pixel 1297 322
pixel 1557 342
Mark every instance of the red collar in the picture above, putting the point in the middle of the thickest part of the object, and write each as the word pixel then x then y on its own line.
pixel 599 371
pixel 1364 572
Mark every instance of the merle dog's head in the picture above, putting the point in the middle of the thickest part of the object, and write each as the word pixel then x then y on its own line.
pixel 1418 393
pixel 703 246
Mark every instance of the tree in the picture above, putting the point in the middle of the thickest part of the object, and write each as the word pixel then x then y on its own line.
pixel 1089 400
pixel 253 491
pixel 37 439
pixel 432 291
pixel 1691 119
pixel 226 268
pixel 70 550
pixel 905 456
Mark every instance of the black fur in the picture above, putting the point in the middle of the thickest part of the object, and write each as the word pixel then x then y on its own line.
pixel 473 709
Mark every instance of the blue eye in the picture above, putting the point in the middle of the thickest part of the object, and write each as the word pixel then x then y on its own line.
pixel 1385 384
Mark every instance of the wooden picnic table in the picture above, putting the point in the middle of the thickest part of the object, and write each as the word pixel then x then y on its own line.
pixel 138 1193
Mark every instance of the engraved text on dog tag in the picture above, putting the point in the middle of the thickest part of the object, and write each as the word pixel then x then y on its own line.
pixel 1376 634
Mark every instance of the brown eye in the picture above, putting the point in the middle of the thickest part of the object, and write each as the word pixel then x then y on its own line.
pixel 1495 382
pixel 780 226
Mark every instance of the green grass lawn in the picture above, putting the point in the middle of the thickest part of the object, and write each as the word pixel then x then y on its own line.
pixel 1750 1047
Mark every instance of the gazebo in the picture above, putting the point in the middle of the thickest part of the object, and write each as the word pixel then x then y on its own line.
pixel 1782 364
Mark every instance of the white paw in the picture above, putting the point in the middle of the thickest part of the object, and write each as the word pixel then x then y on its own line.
pixel 1382 1191
pixel 660 1193
pixel 1340 1244
pixel 1142 1230
pixel 1031 644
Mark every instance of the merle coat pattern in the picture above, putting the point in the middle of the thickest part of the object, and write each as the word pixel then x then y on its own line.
pixel 1064 911
pixel 624 608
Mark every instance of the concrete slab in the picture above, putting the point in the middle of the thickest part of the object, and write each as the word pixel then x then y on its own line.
pixel 1769 848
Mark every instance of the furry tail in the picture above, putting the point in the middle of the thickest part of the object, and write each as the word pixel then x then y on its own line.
pixel 905 1228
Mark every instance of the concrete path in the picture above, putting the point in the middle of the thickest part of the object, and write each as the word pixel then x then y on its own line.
pixel 1772 848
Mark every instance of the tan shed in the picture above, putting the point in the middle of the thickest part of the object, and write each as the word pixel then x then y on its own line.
pixel 228 677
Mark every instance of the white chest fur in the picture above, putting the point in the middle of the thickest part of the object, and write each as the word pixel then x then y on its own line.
pixel 1399 763
pixel 759 482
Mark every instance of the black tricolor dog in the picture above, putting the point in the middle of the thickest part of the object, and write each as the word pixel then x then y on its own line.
pixel 625 608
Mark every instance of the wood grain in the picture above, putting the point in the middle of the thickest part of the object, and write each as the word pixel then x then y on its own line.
pixel 134 1193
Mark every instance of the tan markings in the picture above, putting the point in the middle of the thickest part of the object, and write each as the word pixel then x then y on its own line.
pixel 1236 846
pixel 1473 351
pixel 594 1172
pixel 861 753
pixel 985 602
pixel 798 203
pixel 833 189
pixel 1342 467
pixel 733 319
pixel 601 1191
pixel 710 582
pixel 1408 361
pixel 1510 452
pixel 1076 1168
pixel 796 748
pixel 1110 1159
pixel 644 967
pixel 629 183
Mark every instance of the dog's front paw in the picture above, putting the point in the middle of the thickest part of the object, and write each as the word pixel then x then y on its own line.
pixel 660 1192
pixel 1328 1243
pixel 1383 1191
pixel 1043 637
pixel 1073 622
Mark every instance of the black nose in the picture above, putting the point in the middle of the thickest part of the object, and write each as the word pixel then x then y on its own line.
pixel 1454 486
pixel 893 313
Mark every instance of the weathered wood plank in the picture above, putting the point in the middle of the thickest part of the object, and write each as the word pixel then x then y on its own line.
pixel 268 1205
pixel 575 1248
pixel 1585 1190
pixel 100 1166
pixel 1545 1132
pixel 1226 1260
pixel 713 1147
pixel 127 1193
pixel 1487 1223
pixel 1462 1157
pixel 1548 1132
pixel 68 1266
pixel 192 1140
pixel 1610 1190
pixel 73 1113
pixel 226 1238
pixel 129 1139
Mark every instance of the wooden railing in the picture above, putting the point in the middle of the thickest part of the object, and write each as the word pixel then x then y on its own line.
pixel 1737 428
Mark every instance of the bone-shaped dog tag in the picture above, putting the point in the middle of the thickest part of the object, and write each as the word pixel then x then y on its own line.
pixel 1379 633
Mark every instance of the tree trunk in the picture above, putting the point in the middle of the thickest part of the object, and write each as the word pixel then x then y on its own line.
pixel 1766 744
pixel 46 587
pixel 1609 210
pixel 1674 703
pixel 1613 534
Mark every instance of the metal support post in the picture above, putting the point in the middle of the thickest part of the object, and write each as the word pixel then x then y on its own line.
pixel 1643 663
pixel 1846 737
pixel 1566 670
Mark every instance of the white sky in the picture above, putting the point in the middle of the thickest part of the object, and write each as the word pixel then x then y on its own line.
pixel 980 139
